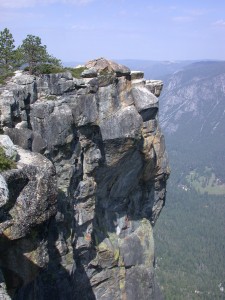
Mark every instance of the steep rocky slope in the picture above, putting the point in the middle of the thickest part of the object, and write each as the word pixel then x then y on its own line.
pixel 195 94
pixel 99 137
pixel 192 115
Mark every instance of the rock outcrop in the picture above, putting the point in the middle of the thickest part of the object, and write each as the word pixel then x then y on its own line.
pixel 99 137
pixel 28 200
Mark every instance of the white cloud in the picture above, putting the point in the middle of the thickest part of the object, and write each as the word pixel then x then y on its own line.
pixel 182 19
pixel 13 16
pixel 79 2
pixel 82 28
pixel 219 23
pixel 123 13
pixel 190 15
pixel 198 12
pixel 16 3
pixel 172 7
pixel 31 3
pixel 159 8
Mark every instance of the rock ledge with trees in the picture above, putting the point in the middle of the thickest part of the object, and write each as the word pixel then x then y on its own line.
pixel 90 184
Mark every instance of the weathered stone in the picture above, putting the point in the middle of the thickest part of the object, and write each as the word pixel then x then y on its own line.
pixel 104 66
pixel 27 201
pixel 32 191
pixel 52 122
pixel 102 136
pixel 84 110
pixel 3 289
pixel 144 99
pixel 24 79
pixel 38 144
pixel 138 247
pixel 55 84
pixel 21 125
pixel 27 86
pixel 8 146
pixel 136 75
pixel 22 137
pixel 79 83
pixel 4 192
pixel 138 280
pixel 154 86
pixel 125 124
pixel 90 73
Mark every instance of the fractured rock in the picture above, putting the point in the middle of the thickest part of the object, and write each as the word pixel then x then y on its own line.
pixel 100 139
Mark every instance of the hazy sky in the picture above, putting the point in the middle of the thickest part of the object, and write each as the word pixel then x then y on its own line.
pixel 79 30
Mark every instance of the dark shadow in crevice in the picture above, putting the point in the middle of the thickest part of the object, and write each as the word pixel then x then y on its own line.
pixel 17 269
pixel 27 110
pixel 149 114
pixel 113 210
pixel 16 181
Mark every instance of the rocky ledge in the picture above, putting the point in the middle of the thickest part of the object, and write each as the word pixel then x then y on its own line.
pixel 77 213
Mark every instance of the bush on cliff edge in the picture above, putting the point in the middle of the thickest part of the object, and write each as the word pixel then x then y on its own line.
pixel 5 162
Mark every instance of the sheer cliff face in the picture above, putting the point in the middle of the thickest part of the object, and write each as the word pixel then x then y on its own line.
pixel 101 134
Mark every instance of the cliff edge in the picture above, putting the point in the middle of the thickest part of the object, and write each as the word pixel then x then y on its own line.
pixel 77 213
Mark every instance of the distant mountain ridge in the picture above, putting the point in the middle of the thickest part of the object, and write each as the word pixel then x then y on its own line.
pixel 152 69
pixel 155 69
pixel 199 89
pixel 192 109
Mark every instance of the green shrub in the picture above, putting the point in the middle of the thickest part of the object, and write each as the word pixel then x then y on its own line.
pixel 51 97
pixel 52 69
pixel 76 72
pixel 5 162
pixel 45 69
pixel 4 77
pixel 26 69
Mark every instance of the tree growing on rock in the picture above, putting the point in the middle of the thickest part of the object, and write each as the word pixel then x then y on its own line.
pixel 36 56
pixel 7 52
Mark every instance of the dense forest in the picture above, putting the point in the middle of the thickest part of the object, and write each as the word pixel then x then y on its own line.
pixel 190 244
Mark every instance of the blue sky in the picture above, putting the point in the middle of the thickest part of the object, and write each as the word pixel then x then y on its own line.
pixel 80 30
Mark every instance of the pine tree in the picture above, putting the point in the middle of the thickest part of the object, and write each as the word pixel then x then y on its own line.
pixel 7 52
pixel 35 54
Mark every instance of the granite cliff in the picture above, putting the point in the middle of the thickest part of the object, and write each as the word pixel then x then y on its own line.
pixel 77 213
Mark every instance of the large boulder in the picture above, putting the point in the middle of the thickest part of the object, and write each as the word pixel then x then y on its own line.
pixel 104 66
pixel 8 146
pixel 27 203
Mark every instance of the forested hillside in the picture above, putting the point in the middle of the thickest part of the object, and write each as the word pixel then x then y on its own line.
pixel 190 244
pixel 192 110
pixel 190 233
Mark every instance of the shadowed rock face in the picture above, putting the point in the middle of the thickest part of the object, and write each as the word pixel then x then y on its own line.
pixel 101 133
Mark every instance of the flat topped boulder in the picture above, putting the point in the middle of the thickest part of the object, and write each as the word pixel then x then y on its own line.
pixel 154 86
pixel 104 67
pixel 136 75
